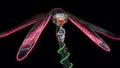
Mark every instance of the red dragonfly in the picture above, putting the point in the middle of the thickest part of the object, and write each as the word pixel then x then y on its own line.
pixel 59 18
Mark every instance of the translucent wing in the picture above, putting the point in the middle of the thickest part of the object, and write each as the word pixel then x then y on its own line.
pixel 103 31
pixel 29 22
pixel 32 37
pixel 89 32
pixel 98 29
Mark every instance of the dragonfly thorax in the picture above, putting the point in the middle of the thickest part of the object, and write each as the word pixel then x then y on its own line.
pixel 60 19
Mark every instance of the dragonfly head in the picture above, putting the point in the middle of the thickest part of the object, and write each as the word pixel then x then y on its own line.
pixel 60 19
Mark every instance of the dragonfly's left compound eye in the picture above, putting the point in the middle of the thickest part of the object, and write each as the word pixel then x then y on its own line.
pixel 60 19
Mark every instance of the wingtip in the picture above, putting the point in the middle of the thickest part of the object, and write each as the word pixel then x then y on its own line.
pixel 105 47
pixel 107 50
pixel 19 59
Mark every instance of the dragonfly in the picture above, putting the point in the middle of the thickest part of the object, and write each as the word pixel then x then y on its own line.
pixel 59 17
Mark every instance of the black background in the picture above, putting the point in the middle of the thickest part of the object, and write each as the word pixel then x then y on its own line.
pixel 83 51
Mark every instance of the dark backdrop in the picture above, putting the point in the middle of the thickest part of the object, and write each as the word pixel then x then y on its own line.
pixel 83 51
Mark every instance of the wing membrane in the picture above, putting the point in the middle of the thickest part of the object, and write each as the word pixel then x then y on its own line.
pixel 32 37
pixel 103 31
pixel 89 32
pixel 29 22
pixel 97 28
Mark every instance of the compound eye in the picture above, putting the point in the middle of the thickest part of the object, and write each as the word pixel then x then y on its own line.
pixel 61 22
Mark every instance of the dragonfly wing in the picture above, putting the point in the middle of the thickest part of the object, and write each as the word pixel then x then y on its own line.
pixel 97 28
pixel 103 31
pixel 29 22
pixel 89 32
pixel 32 37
